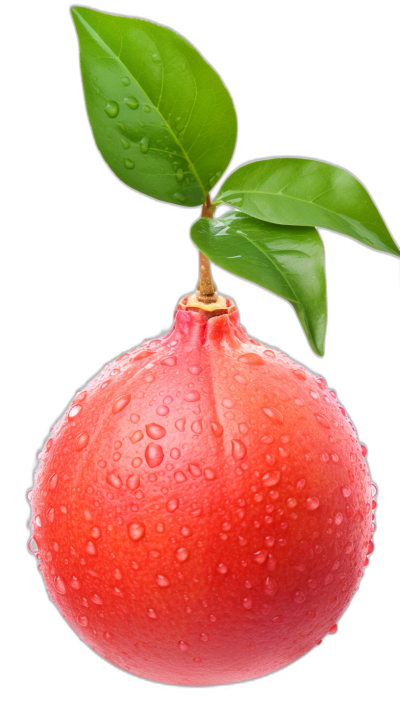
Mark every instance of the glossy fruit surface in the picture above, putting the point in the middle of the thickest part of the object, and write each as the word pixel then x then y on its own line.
pixel 202 512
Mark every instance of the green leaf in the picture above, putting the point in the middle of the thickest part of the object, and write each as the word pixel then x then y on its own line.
pixel 301 192
pixel 161 117
pixel 288 261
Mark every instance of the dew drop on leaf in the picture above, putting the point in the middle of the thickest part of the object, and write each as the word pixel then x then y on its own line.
pixel 131 102
pixel 112 109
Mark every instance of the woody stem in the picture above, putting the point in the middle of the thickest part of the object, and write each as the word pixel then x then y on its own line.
pixel 206 288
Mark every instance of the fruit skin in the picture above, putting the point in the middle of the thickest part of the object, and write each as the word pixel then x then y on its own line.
pixel 239 550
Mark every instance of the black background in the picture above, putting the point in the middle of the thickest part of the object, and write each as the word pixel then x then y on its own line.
pixel 104 268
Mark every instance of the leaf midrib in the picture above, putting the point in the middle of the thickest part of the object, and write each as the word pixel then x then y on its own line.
pixel 95 35
pixel 299 302
pixel 299 200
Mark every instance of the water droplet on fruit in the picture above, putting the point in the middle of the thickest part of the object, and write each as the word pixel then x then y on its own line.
pixel 59 585
pixel 222 568
pixel 179 477
pixel 312 503
pixel 169 361
pixel 82 441
pixel 120 403
pixel 271 478
pixel 83 621
pixel 338 518
pixel 75 584
pixel 96 599
pixel 136 531
pixel 74 411
pixel 114 480
pixel 333 630
pixel 239 450
pixel 133 482
pixel 274 414
pixel 346 491
pixel 300 374
pixel 154 455
pixel 183 646
pixel 195 369
pixel 192 396
pixel 299 402
pixel 172 505
pixel 240 379
pixel 155 431
pixel 217 429
pixel 251 358
pixel 182 554
pixel 180 424
pixel 162 581
pixel 136 436
pixel 91 548
pixel 112 109
pixel 260 557
pixel 299 596
pixel 194 470
pixel 284 453
pixel 363 450
pixel 323 421
pixel 270 586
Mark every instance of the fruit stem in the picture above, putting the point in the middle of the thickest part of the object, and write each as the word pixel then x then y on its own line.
pixel 206 289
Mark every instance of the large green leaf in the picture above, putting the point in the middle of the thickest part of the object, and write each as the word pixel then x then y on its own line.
pixel 287 260
pixel 301 192
pixel 161 116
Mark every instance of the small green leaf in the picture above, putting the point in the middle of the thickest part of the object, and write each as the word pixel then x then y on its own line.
pixel 301 192
pixel 288 261
pixel 161 117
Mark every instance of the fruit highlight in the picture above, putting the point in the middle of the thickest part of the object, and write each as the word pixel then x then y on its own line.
pixel 203 510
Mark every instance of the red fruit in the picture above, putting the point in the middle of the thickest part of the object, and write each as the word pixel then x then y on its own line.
pixel 202 512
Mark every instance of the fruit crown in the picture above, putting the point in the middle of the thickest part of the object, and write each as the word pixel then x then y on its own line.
pixel 165 124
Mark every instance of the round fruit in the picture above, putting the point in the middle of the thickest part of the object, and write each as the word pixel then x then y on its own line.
pixel 203 510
